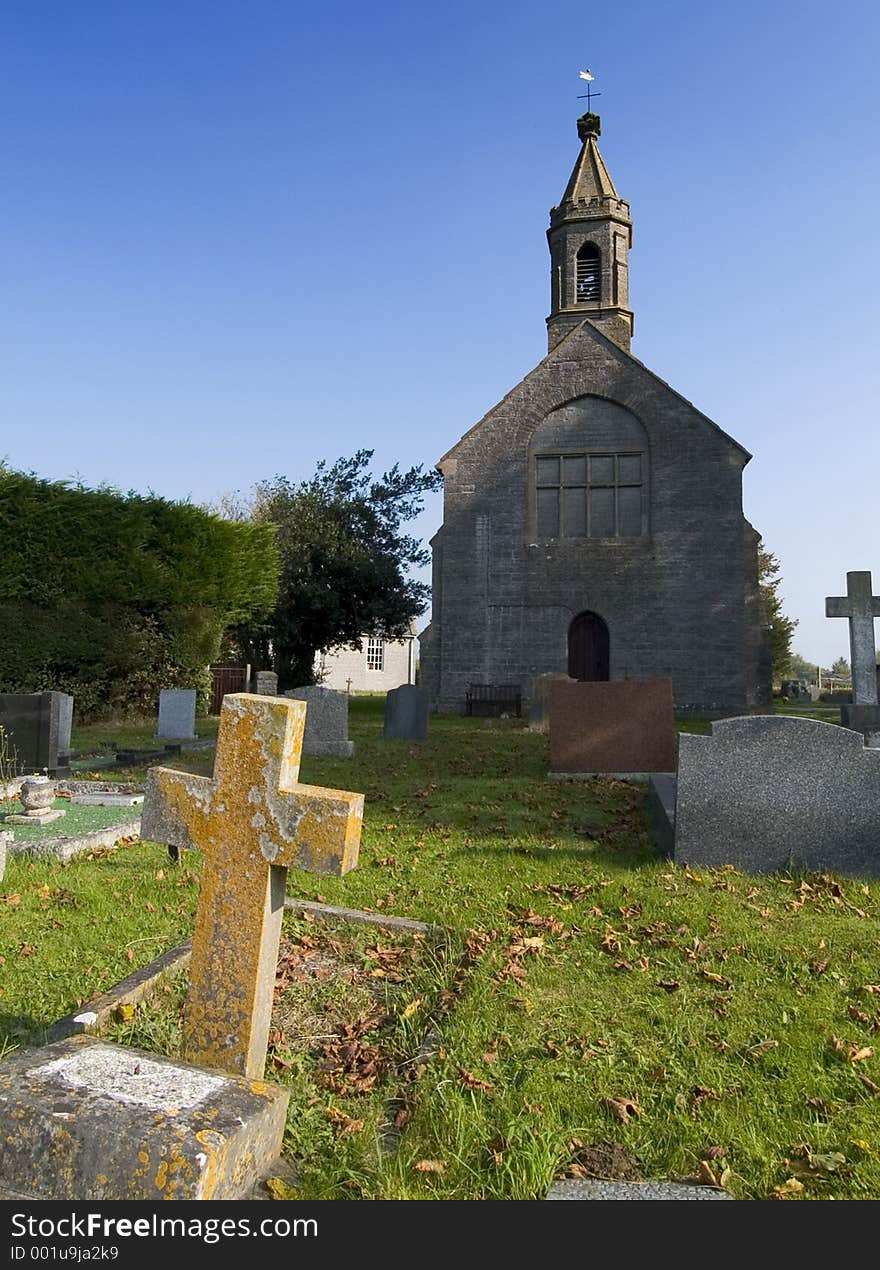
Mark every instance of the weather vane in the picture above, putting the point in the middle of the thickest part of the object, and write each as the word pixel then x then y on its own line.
pixel 588 76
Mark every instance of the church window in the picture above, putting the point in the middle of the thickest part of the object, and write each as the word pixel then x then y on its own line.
pixel 588 274
pixel 375 654
pixel 589 495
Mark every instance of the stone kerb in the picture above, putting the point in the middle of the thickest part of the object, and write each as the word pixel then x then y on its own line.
pixel 766 793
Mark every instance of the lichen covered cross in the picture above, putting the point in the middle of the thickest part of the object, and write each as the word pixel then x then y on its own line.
pixel 253 822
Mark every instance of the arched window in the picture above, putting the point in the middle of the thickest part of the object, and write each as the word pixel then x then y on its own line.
pixel 588 274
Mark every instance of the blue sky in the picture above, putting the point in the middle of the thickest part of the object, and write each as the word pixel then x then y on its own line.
pixel 241 237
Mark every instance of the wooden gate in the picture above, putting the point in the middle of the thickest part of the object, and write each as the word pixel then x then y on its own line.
pixel 226 679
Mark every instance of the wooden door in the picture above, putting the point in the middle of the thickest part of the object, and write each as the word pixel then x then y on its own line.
pixel 588 653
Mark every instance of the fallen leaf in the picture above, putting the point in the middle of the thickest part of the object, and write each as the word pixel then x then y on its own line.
pixel 124 1011
pixel 409 1010
pixel 856 1053
pixel 669 985
pixel 624 1109
pixel 470 1081
pixel 869 1085
pixel 346 1123
pixel 430 1166
pixel 791 1186
pixel 26 950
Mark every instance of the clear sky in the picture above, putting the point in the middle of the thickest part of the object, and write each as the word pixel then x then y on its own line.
pixel 239 236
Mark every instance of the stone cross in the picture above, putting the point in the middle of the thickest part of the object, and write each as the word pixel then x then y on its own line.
pixel 861 607
pixel 252 821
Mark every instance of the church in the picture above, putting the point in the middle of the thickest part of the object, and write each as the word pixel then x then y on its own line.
pixel 592 520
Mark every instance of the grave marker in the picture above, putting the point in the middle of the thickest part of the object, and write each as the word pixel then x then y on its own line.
pixel 406 714
pixel 253 821
pixel 766 793
pixel 177 714
pixel 860 607
pixel 326 731
pixel 37 725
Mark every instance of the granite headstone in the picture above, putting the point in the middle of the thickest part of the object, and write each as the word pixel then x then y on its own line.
pixel 326 721
pixel 406 714
pixel 37 727
pixel 772 792
pixel 177 714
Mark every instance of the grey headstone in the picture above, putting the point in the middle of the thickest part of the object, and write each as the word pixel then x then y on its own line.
pixel 177 714
pixel 406 714
pixel 539 704
pixel 772 792
pixel 265 683
pixel 586 1188
pixel 65 722
pixel 36 723
pixel 326 721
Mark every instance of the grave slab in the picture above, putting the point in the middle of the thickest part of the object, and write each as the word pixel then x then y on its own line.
pixel 585 1188
pixel 87 1120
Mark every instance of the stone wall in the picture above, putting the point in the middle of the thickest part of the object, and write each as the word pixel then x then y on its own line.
pixel 680 601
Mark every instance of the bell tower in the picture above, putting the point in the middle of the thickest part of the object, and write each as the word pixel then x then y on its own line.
pixel 590 236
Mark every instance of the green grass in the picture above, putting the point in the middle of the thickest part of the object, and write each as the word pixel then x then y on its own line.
pixel 671 1011
pixel 78 819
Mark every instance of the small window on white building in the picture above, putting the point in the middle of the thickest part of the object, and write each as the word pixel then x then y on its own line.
pixel 375 654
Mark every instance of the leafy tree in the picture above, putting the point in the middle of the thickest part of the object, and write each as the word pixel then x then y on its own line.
pixel 344 562
pixel 841 668
pixel 800 668
pixel 781 627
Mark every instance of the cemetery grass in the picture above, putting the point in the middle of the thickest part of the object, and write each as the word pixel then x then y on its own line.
pixel 589 1008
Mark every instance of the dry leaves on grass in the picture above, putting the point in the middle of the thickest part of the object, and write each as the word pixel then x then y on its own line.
pixel 347 1124
pixel 470 1081
pixel 625 1109
pixel 430 1166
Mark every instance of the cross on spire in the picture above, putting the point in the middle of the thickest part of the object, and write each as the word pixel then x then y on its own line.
pixel 589 94
pixel 861 607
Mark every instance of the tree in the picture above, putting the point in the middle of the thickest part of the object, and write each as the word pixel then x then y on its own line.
pixel 800 668
pixel 781 627
pixel 113 596
pixel 344 562
pixel 841 668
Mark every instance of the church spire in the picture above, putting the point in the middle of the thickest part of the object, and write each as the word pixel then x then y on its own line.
pixel 590 236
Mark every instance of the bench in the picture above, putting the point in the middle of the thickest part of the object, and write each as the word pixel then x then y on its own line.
pixel 493 700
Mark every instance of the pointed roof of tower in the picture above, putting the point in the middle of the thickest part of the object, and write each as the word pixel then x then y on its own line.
pixel 590 190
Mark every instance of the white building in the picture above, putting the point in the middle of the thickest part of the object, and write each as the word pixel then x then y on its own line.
pixel 378 666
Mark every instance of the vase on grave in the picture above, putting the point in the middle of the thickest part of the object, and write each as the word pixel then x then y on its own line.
pixel 37 794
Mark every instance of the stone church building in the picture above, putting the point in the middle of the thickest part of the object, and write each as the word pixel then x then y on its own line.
pixel 593 519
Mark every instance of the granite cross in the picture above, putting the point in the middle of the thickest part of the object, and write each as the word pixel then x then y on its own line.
pixel 252 821
pixel 861 607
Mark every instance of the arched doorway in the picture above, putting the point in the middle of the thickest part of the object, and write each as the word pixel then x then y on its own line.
pixel 588 654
